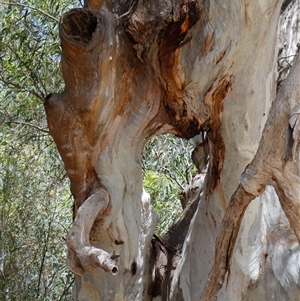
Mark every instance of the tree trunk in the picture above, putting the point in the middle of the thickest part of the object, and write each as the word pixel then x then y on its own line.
pixel 134 69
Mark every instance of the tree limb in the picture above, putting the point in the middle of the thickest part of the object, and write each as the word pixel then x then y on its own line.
pixel 82 256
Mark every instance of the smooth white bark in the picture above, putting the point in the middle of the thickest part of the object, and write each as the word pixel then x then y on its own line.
pixel 250 45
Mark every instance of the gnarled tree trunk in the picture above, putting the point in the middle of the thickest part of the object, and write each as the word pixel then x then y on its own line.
pixel 134 69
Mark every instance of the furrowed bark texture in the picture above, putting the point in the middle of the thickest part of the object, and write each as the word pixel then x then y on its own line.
pixel 134 69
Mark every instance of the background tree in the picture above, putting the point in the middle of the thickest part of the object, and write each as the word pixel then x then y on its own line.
pixel 35 203
pixel 167 171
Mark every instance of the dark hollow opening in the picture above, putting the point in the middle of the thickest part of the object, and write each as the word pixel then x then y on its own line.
pixel 79 25
pixel 114 270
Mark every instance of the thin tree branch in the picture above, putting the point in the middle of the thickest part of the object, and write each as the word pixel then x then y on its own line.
pixel 20 87
pixel 285 57
pixel 31 7
pixel 45 250
pixel 123 15
pixel 28 124
pixel 66 289
pixel 168 173
pixel 31 73
pixel 65 229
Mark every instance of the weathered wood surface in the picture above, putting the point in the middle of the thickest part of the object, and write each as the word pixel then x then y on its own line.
pixel 134 69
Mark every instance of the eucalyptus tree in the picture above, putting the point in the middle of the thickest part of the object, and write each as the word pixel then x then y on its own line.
pixel 136 69
pixel 208 69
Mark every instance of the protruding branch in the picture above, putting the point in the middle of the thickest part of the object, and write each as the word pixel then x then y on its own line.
pixel 82 257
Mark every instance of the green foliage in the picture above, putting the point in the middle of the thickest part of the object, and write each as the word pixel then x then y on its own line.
pixel 30 48
pixel 35 209
pixel 167 169
pixel 35 202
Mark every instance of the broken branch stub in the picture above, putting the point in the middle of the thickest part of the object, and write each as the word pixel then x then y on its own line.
pixel 82 257
pixel 68 115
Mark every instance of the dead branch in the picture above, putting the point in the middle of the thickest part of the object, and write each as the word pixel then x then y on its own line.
pixel 82 257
